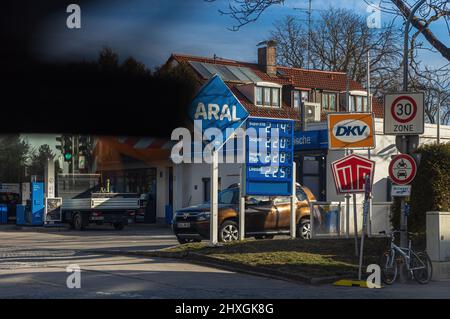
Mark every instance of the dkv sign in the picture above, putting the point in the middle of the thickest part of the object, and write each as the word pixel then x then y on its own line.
pixel 351 131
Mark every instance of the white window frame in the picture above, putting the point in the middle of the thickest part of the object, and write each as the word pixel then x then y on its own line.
pixel 328 93
pixel 263 92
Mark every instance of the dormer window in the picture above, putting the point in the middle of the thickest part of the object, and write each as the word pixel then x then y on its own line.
pixel 299 96
pixel 267 96
pixel 358 103
pixel 329 101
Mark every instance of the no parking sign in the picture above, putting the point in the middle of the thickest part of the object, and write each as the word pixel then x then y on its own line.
pixel 402 169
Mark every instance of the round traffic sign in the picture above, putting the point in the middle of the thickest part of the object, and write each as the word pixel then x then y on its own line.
pixel 404 109
pixel 402 169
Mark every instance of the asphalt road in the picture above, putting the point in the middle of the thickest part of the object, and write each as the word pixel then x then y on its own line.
pixel 33 265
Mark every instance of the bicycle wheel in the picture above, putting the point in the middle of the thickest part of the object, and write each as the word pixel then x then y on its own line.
pixel 389 267
pixel 423 262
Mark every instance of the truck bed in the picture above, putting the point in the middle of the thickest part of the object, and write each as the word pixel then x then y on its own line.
pixel 113 203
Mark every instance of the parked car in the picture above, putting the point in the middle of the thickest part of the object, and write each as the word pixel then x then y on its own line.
pixel 265 216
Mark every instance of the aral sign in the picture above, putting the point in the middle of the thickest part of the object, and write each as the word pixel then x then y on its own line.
pixel 404 113
pixel 351 131
pixel 215 106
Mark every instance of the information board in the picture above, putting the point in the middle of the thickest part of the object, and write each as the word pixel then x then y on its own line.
pixel 269 157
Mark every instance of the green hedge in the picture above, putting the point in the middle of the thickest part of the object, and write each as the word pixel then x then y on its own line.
pixel 430 188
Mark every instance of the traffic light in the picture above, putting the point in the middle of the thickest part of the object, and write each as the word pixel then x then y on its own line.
pixel 82 145
pixel 67 148
pixel 60 146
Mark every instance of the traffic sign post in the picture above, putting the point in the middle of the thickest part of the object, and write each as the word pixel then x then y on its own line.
pixel 404 113
pixel 402 171
pixel 350 178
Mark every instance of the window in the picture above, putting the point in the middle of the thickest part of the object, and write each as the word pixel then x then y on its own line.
pixel 207 188
pixel 296 98
pixel 259 94
pixel 301 195
pixel 358 103
pixel 329 101
pixel 229 196
pixel 266 96
pixel 304 95
pixel 275 97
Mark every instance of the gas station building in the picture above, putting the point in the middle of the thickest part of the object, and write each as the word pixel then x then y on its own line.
pixel 143 165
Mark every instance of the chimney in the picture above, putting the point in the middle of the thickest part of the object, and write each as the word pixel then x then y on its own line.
pixel 267 57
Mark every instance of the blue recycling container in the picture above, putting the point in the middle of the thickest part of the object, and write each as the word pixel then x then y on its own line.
pixel 3 214
pixel 169 214
pixel 20 215
pixel 331 221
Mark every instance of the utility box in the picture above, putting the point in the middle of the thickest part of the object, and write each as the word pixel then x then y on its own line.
pixel 438 243
pixel 438 236
pixel 3 214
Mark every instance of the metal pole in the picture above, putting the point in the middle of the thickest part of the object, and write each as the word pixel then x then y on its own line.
pixel 242 204
pixel 403 219
pixel 438 135
pixel 347 210
pixel 369 107
pixel 293 202
pixel 355 224
pixel 365 212
pixel 309 34
pixel 214 198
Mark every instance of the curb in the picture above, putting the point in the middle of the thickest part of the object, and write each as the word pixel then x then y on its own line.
pixel 225 265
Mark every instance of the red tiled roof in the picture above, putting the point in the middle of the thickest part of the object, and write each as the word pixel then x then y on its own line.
pixel 378 107
pixel 299 78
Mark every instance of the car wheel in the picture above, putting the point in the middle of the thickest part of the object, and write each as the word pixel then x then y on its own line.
pixel 229 231
pixel 78 222
pixel 304 229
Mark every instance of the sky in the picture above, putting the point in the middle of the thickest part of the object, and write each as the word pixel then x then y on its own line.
pixel 150 30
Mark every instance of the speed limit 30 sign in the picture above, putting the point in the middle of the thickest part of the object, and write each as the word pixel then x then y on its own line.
pixel 404 113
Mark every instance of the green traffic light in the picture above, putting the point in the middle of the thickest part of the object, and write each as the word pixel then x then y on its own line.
pixel 68 156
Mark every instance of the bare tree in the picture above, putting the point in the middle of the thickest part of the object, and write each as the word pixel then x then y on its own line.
pixel 247 11
pixel 340 41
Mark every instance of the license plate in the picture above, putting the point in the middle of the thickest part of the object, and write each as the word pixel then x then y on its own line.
pixel 183 225
pixel 97 218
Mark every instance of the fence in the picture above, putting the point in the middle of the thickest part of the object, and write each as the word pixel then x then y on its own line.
pixel 331 219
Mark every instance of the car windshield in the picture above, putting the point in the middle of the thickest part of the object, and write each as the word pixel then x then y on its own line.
pixel 229 196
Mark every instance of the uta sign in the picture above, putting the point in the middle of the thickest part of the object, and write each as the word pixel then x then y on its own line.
pixel 349 173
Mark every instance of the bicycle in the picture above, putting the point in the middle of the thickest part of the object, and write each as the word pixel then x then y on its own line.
pixel 418 264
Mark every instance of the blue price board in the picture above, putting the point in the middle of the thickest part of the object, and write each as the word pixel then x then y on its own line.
pixel 269 156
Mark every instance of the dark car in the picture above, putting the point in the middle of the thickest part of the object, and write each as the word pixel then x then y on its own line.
pixel 265 216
